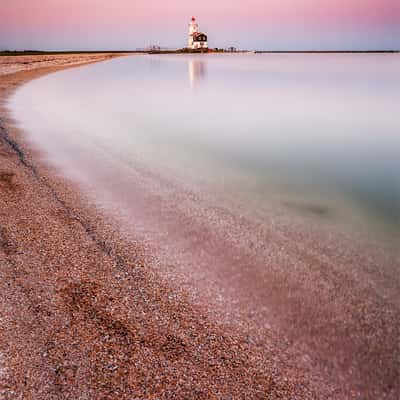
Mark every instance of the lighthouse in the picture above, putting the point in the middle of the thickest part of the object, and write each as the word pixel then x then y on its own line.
pixel 196 40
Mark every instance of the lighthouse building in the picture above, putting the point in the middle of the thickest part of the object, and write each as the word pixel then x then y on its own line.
pixel 197 40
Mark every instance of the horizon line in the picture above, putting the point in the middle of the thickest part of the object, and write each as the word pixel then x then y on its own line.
pixel 145 50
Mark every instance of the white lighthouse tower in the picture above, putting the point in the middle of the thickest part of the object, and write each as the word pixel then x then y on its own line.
pixel 193 30
pixel 196 40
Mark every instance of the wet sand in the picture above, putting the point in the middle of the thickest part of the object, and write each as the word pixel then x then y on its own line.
pixel 83 315
pixel 85 312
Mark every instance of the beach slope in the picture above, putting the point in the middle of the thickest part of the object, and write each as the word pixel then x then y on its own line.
pixel 82 313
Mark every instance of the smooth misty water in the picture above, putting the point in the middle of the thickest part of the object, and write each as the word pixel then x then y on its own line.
pixel 316 136
pixel 266 185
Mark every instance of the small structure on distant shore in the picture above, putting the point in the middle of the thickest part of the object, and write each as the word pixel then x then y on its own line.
pixel 197 40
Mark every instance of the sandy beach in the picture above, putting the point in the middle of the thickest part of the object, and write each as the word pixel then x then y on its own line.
pixel 82 315
pixel 85 314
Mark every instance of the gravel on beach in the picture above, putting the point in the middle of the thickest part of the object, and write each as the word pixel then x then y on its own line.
pixel 83 315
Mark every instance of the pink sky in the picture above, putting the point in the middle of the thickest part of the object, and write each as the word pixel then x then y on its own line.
pixel 251 23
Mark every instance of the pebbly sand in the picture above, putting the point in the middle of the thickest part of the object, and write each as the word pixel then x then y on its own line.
pixel 84 313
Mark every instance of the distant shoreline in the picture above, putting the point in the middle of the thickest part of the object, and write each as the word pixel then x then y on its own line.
pixel 185 51
pixel 67 52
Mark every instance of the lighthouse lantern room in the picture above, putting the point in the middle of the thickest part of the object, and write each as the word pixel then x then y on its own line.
pixel 197 40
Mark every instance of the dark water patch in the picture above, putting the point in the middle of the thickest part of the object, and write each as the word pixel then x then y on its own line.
pixel 318 210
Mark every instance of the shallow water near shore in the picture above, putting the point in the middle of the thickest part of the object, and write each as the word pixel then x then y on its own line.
pixel 316 135
pixel 267 181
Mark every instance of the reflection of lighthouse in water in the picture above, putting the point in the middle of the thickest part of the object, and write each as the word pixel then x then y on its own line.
pixel 197 40
pixel 197 71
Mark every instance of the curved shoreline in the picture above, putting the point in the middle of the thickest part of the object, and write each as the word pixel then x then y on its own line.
pixel 77 280
pixel 68 285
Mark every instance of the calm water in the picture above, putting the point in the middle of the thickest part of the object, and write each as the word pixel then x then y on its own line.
pixel 316 136
pixel 247 174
